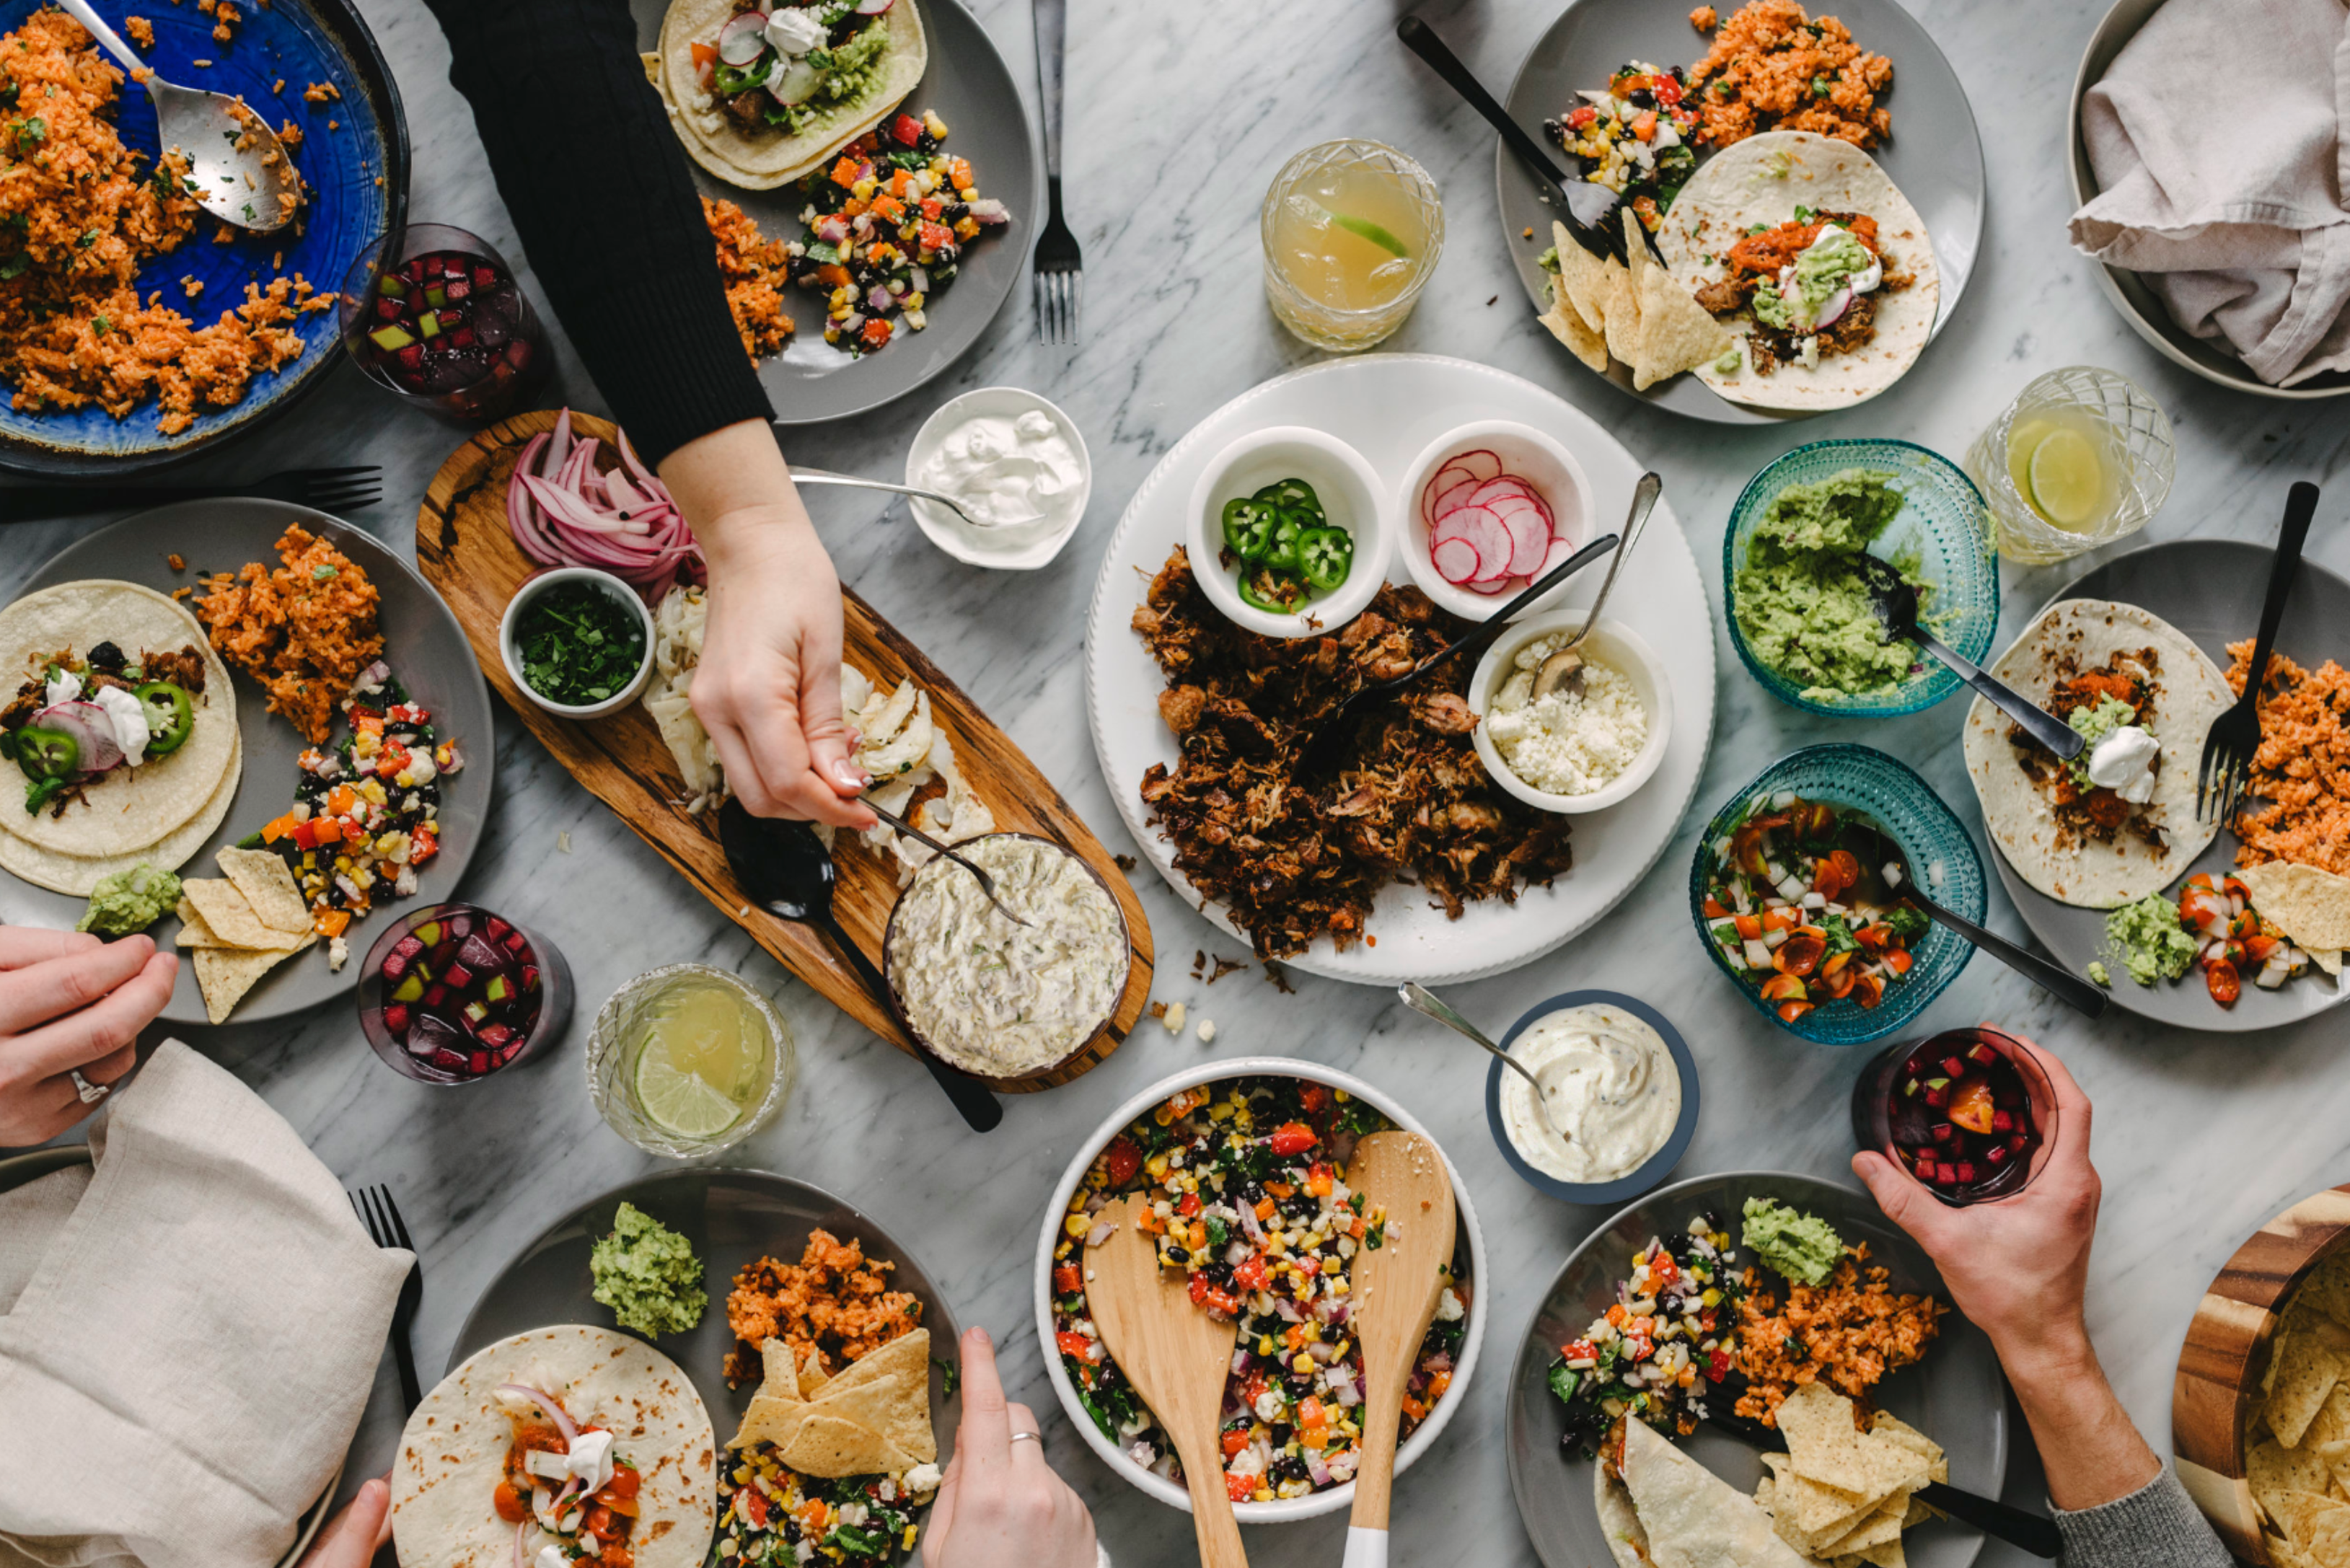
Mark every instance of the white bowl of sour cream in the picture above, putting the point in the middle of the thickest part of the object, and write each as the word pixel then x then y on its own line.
pixel 1621 1079
pixel 1012 459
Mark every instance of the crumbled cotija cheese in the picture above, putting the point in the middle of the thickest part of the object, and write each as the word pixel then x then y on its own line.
pixel 1567 743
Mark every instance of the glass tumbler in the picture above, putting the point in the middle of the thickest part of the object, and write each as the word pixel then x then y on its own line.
pixel 2132 439
pixel 1384 190
pixel 435 314
pixel 616 1049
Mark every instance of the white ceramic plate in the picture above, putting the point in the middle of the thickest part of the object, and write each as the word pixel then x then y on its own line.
pixel 1388 407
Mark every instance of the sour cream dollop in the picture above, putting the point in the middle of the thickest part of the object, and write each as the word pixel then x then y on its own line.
pixel 793 31
pixel 1007 470
pixel 2123 762
pixel 1613 1086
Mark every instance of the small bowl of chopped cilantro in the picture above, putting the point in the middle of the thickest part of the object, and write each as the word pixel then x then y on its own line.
pixel 579 642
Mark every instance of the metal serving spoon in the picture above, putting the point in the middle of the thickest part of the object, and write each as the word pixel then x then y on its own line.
pixel 1421 1000
pixel 822 476
pixel 986 882
pixel 1896 604
pixel 235 163
pixel 783 867
pixel 1565 666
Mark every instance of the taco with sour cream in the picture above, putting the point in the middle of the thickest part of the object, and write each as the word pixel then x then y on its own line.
pixel 1803 248
pixel 764 92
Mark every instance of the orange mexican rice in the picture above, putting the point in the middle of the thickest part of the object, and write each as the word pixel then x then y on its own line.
pixel 1773 68
pixel 833 1302
pixel 304 630
pixel 2298 787
pixel 1852 1331
pixel 78 218
pixel 756 272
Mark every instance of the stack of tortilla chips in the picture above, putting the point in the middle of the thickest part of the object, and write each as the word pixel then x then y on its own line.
pixel 1636 313
pixel 872 1420
pixel 243 927
pixel 1840 1495
pixel 2309 904
pixel 2299 1467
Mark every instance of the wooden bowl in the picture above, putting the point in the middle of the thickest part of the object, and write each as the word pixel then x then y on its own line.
pixel 2226 1360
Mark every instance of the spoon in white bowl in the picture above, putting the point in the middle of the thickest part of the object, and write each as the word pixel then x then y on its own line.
pixel 1565 666
pixel 1421 1000
pixel 237 168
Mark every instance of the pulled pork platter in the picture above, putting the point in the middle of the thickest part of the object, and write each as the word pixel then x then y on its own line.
pixel 1411 802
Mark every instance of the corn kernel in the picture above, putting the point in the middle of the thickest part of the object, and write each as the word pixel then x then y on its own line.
pixel 1077 1224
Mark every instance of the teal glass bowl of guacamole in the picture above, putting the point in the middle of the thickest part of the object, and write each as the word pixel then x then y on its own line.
pixel 1913 822
pixel 1797 614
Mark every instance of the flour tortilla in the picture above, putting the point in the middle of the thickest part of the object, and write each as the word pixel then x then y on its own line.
pixel 78 874
pixel 128 808
pixel 1690 1517
pixel 1762 180
pixel 2192 692
pixel 452 1453
pixel 758 161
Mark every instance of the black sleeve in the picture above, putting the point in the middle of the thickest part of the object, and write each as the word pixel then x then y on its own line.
pixel 605 203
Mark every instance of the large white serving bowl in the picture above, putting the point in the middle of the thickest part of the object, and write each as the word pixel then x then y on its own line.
pixel 1352 498
pixel 1337 1499
pixel 1611 643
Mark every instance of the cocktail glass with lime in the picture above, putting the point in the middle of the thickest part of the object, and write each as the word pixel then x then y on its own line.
pixel 1352 231
pixel 2081 459
pixel 687 1060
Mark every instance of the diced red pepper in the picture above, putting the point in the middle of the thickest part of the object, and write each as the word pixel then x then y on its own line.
pixel 1240 1488
pixel 1066 1281
pixel 937 237
pixel 1076 1346
pixel 1250 1275
pixel 1582 116
pixel 1121 1162
pixel 1188 1206
pixel 423 844
pixel 1292 1138
pixel 875 332
pixel 906 129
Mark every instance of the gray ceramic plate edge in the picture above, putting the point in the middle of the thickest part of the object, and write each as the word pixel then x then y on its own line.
pixel 973 90
pixel 2211 590
pixel 1957 1395
pixel 427 650
pixel 1943 178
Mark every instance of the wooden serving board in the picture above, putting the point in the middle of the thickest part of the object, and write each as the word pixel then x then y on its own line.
pixel 2216 1393
pixel 465 550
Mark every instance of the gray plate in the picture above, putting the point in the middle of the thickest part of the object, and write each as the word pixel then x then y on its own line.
pixel 1956 1396
pixel 732 1217
pixel 426 648
pixel 2211 590
pixel 1933 154
pixel 968 85
pixel 16 1170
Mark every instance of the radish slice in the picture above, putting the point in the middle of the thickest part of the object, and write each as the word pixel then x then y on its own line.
pixel 1491 585
pixel 742 39
pixel 1555 556
pixel 1480 463
pixel 1529 540
pixel 873 7
pixel 1456 560
pixel 1489 536
pixel 1447 492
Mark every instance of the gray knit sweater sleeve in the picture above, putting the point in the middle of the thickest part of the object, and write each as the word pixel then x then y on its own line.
pixel 2157 1526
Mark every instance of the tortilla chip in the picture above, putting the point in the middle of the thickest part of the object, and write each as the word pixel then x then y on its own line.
pixel 225 974
pixel 2318 1525
pixel 1805 1511
pixel 268 886
pixel 828 1447
pixel 228 916
pixel 1893 1428
pixel 1620 309
pixel 193 932
pixel 2312 904
pixel 1583 341
pixel 1825 1447
pixel 2285 1554
pixel 1677 332
pixel 769 1418
pixel 1583 277
pixel 2327 1288
pixel 1888 1555
pixel 907 1355
pixel 1875 1530
pixel 2274 1472
pixel 2303 1371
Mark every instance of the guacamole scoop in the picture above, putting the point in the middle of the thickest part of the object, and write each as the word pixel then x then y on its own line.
pixel 1803 1247
pixel 1799 599
pixel 647 1273
pixel 2151 941
pixel 130 901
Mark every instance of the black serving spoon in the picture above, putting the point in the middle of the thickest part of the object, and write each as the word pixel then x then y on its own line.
pixel 784 867
pixel 1895 600
pixel 1590 210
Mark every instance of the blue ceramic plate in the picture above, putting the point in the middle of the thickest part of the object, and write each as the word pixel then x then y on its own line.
pixel 1942 524
pixel 1936 846
pixel 1659 1165
pixel 357 176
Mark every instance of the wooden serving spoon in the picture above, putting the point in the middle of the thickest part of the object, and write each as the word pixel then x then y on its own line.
pixel 1177 1358
pixel 1396 1287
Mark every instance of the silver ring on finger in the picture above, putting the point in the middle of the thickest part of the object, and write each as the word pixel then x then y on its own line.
pixel 1035 1437
pixel 90 1093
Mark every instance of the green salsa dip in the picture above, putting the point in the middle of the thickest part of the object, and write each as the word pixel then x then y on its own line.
pixel 2151 941
pixel 647 1273
pixel 130 901
pixel 1799 596
pixel 1804 1247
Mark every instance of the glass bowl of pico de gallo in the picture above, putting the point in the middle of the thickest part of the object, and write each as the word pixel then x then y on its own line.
pixel 1245 1164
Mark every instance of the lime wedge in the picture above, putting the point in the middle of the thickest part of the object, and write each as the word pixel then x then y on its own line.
pixel 1363 228
pixel 681 1103
pixel 2068 480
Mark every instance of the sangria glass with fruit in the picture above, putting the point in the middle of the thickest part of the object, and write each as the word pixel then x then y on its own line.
pixel 1969 1112
pixel 434 314
pixel 453 994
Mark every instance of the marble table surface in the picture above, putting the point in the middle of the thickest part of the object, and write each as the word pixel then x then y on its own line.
pixel 2200 1138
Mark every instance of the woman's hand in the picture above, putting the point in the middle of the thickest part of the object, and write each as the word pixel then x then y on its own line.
pixel 352 1537
pixel 1001 1505
pixel 70 1002
pixel 768 686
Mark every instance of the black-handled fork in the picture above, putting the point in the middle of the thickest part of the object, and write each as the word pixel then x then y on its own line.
pixel 380 1215
pixel 333 489
pixel 2236 734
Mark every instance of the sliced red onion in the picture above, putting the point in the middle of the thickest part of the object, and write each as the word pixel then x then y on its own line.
pixel 561 510
pixel 522 1529
pixel 562 1423
pixel 1316 1468
pixel 1347 1393
pixel 1287 1310
pixel 1241 1361
pixel 1102 1231
pixel 1322 1353
pixel 878 299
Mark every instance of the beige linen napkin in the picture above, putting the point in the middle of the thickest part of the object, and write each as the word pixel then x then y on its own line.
pixel 2216 139
pixel 192 1342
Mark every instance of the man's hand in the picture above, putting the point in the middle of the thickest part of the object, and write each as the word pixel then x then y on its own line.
pixel 67 1002
pixel 1001 1505
pixel 352 1537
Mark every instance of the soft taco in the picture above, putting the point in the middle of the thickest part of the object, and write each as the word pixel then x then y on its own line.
pixel 121 724
pixel 530 1442
pixel 2117 822
pixel 764 92
pixel 1659 1506
pixel 1801 246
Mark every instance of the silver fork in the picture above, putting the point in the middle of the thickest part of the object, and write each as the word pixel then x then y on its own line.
pixel 387 1229
pixel 2236 734
pixel 335 490
pixel 1060 268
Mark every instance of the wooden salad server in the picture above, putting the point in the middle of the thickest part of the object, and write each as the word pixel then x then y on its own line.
pixel 1396 1287
pixel 1177 1356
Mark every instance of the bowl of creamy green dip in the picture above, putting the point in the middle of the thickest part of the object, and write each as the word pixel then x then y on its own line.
pixel 1000 1001
pixel 1798 613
